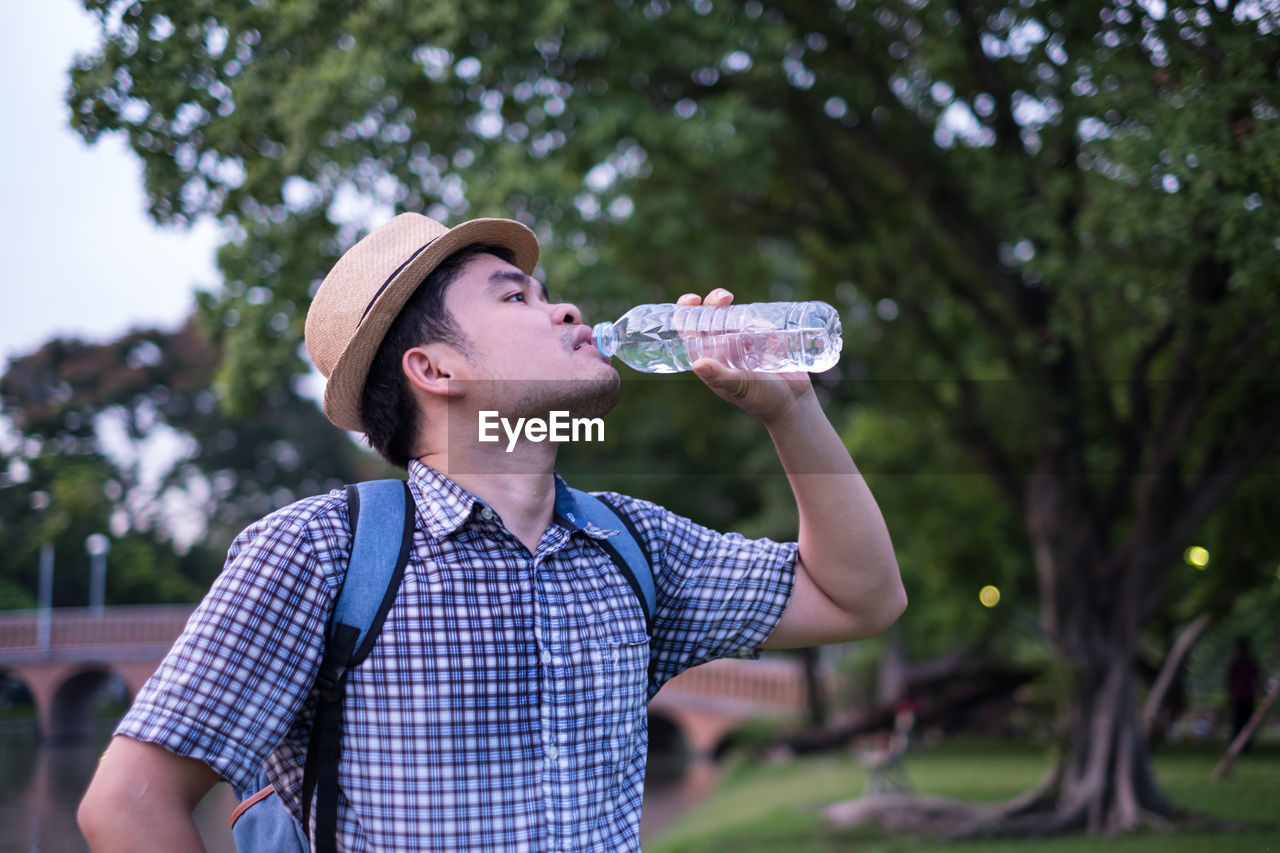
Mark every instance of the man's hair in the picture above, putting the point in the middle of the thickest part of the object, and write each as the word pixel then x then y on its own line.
pixel 388 409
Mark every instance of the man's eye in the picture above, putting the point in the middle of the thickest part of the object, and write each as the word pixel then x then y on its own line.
pixel 516 296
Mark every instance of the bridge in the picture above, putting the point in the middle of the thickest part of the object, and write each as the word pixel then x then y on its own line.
pixel 66 656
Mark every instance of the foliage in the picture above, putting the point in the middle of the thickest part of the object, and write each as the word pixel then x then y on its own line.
pixel 60 502
pixel 953 536
pixel 126 438
pixel 1002 197
pixel 1050 228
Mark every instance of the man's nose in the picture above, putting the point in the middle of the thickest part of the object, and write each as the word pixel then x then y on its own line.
pixel 567 313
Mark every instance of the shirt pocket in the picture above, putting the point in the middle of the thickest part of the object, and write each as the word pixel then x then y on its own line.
pixel 620 676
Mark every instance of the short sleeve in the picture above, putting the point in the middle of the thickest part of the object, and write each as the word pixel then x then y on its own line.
pixel 720 595
pixel 232 684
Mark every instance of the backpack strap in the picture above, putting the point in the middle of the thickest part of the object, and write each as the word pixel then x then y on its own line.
pixel 381 517
pixel 623 548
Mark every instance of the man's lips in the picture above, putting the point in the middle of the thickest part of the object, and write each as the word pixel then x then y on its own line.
pixel 583 338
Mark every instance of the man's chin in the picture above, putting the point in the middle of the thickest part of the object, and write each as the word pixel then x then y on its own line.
pixel 589 397
pixel 594 398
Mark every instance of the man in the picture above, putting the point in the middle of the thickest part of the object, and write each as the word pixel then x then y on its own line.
pixel 1244 674
pixel 503 705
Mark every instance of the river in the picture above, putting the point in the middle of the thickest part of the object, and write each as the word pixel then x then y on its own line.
pixel 41 786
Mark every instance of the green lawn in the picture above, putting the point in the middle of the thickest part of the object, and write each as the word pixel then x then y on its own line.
pixel 774 808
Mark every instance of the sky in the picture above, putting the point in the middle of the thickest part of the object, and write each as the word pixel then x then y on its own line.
pixel 81 255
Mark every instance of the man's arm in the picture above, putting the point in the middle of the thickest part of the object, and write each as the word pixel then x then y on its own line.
pixel 847 584
pixel 141 798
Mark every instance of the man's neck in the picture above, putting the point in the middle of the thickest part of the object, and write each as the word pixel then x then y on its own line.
pixel 519 485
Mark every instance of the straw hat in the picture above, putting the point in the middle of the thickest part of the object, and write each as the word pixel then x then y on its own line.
pixel 368 286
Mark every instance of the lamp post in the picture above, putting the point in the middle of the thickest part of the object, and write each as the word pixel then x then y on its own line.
pixel 44 593
pixel 44 601
pixel 97 545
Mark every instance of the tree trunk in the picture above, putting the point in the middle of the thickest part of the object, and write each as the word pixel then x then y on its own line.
pixel 815 696
pixel 1095 594
pixel 1106 784
pixel 891 674
pixel 1102 782
pixel 1093 607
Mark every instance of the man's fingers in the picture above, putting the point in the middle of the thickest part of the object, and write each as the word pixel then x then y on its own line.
pixel 718 297
pixel 730 384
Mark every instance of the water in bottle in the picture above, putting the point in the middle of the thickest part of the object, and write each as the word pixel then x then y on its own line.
pixel 766 337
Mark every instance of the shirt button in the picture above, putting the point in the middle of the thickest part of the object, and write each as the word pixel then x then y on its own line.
pixel 552 753
pixel 546 657
pixel 486 513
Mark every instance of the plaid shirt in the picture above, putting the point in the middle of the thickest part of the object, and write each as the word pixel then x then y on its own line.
pixel 503 705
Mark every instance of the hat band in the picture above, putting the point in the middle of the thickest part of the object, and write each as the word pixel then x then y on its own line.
pixel 391 278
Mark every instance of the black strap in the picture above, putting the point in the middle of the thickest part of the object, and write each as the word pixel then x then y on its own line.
pixel 624 550
pixel 324 753
pixel 320 777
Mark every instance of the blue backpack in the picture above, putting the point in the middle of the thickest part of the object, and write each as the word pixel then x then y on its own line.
pixel 382 519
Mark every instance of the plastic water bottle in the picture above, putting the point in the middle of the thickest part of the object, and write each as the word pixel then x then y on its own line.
pixel 765 337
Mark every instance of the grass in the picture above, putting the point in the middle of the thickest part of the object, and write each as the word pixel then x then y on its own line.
pixel 775 808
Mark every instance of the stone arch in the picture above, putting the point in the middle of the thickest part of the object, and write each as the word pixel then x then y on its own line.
pixel 665 735
pixel 702 732
pixel 669 749
pixel 15 690
pixel 73 703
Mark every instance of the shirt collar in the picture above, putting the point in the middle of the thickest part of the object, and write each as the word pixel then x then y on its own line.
pixel 446 506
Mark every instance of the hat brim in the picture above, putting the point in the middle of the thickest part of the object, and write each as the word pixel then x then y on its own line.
pixel 345 386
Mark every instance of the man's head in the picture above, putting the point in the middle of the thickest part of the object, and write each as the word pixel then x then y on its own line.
pixel 369 285
pixel 469 316
pixel 524 355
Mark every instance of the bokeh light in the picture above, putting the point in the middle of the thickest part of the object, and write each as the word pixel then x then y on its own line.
pixel 989 596
pixel 1196 556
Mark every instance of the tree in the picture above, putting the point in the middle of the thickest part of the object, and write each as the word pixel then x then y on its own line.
pixel 127 438
pixel 1051 226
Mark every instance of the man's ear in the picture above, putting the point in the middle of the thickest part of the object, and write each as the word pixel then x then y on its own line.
pixel 428 369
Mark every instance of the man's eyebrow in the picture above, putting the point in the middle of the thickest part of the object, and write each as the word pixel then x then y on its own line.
pixel 512 276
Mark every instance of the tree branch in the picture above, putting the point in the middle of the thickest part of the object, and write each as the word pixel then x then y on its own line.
pixel 969 428
pixel 1223 769
pixel 1182 646
pixel 941 196
pixel 831 166
pixel 1215 481
pixel 991 79
pixel 1130 435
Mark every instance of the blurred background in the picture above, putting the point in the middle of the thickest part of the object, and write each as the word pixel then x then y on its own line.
pixel 1052 233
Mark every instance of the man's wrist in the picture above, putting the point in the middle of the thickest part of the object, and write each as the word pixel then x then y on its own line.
pixel 799 412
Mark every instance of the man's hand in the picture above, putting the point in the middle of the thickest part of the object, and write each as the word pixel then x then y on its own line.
pixel 768 397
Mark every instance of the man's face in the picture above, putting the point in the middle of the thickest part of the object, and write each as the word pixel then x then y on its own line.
pixel 531 355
